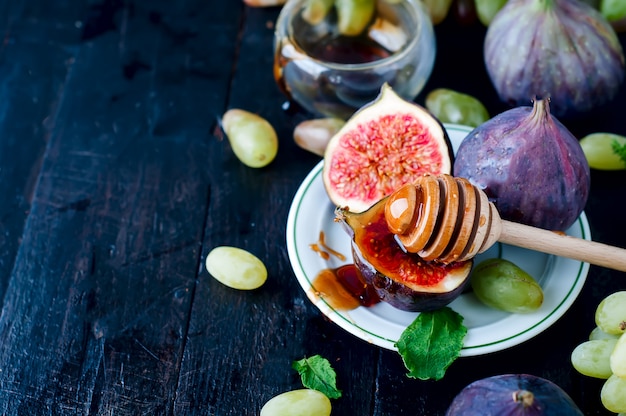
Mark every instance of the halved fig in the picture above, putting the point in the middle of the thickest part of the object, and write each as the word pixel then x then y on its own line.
pixel 384 145
pixel 403 280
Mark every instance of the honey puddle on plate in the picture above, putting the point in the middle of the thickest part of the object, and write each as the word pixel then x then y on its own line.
pixel 343 287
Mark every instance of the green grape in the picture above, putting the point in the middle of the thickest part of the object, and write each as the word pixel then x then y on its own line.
pixel 600 152
pixel 618 357
pixel 252 138
pixel 316 10
pixel 611 313
pixel 236 268
pixel 487 9
pixel 437 9
pixel 613 10
pixel 450 106
pixel 302 402
pixel 598 333
pixel 592 358
pixel 353 16
pixel 613 394
pixel 501 284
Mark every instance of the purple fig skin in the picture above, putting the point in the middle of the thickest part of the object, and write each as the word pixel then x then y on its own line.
pixel 530 166
pixel 513 395
pixel 562 49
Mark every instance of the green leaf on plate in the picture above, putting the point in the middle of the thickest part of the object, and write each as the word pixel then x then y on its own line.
pixel 432 343
pixel 317 374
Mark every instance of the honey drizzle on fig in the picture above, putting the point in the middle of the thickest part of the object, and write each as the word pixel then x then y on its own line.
pixel 343 288
pixel 324 250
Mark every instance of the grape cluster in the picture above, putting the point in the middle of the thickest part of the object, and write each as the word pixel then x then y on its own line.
pixel 604 354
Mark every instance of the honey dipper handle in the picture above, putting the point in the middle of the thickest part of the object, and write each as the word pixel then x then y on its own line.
pixel 563 245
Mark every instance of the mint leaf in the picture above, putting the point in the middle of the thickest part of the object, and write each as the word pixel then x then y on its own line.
pixel 317 374
pixel 619 150
pixel 431 343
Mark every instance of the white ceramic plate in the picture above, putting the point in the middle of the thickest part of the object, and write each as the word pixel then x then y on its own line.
pixel 489 330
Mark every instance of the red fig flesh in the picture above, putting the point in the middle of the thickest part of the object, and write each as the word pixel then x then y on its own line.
pixel 383 146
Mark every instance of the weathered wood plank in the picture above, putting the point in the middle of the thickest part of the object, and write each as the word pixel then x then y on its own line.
pixel 241 344
pixel 96 310
pixel 33 67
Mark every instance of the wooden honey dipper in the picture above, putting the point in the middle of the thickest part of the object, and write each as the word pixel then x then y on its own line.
pixel 445 218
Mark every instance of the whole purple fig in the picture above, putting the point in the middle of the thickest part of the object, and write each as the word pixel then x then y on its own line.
pixel 513 394
pixel 530 166
pixel 562 49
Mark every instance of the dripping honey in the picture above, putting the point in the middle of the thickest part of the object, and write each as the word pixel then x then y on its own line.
pixel 323 250
pixel 343 288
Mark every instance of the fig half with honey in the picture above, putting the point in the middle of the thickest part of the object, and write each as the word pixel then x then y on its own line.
pixel 403 280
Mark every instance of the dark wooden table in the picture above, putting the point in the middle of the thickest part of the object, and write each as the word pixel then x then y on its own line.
pixel 116 184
